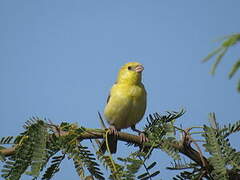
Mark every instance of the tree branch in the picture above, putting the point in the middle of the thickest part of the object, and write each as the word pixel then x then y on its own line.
pixel 184 147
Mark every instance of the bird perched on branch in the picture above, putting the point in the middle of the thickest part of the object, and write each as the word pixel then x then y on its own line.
pixel 126 103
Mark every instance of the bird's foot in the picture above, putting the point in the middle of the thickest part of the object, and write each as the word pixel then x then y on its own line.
pixel 113 131
pixel 143 138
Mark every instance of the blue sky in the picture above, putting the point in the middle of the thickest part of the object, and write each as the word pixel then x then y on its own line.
pixel 59 59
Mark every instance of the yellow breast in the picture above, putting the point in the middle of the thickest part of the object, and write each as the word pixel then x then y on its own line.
pixel 126 105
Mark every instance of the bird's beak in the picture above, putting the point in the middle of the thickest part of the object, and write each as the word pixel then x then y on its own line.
pixel 139 68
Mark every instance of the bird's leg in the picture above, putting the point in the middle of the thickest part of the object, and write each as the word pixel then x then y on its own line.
pixel 143 138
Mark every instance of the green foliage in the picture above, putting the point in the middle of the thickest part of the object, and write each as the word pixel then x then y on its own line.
pixel 166 145
pixel 29 152
pixel 228 42
pixel 82 157
pixel 149 175
pixel 7 140
pixel 53 168
pixel 180 165
pixel 38 145
pixel 223 156
pixel 42 147
pixel 78 164
pixel 161 131
pixel 189 175
pixel 232 157
pixel 234 69
pixel 159 126
pixel 39 148
pixel 223 161
pixel 110 164
pixel 189 170
pixel 85 158
pixel 230 129
pixel 213 146
pixel 130 168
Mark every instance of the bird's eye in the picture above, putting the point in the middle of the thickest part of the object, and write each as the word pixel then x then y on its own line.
pixel 129 68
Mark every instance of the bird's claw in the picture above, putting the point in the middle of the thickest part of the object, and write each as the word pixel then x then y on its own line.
pixel 143 138
pixel 113 131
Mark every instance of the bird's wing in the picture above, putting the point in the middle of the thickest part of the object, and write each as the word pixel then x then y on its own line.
pixel 109 95
pixel 108 98
pixel 118 107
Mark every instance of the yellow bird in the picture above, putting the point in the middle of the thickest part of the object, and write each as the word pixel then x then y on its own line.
pixel 126 103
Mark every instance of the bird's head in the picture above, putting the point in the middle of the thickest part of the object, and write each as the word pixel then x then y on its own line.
pixel 130 73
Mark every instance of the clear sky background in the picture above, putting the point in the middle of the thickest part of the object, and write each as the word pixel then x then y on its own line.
pixel 58 59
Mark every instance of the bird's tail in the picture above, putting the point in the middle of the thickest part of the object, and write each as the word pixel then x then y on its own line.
pixel 112 144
